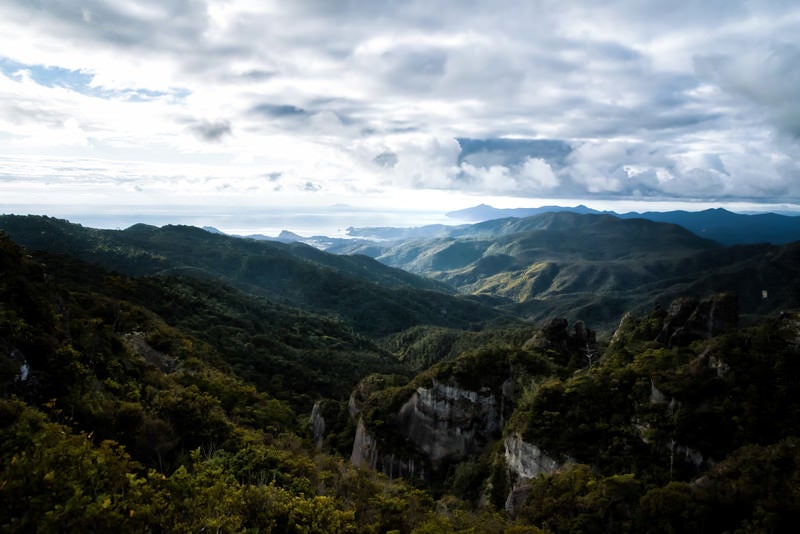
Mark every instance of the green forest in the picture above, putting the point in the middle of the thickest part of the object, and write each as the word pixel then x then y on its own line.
pixel 175 381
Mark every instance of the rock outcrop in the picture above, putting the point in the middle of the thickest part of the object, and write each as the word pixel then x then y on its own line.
pixel 365 449
pixel 555 335
pixel 676 450
pixel 438 424
pixel 689 319
pixel 447 422
pixel 366 453
pixel 317 424
pixel 525 461
pixel 136 342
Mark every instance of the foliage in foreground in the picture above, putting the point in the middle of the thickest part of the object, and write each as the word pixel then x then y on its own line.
pixel 123 407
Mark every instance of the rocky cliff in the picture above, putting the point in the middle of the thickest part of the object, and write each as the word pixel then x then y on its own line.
pixel 366 453
pixel 447 422
pixel 525 461
pixel 317 424
pixel 689 319
pixel 437 424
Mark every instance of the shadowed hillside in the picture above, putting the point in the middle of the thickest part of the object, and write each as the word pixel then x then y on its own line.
pixel 371 297
pixel 595 267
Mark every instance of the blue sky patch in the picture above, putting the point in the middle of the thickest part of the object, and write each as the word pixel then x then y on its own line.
pixel 80 82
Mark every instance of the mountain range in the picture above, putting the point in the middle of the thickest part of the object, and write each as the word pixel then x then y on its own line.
pixel 369 296
pixel 562 372
pixel 591 267
pixel 717 224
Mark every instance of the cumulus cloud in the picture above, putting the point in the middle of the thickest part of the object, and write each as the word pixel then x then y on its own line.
pixel 211 131
pixel 626 98
pixel 279 110
pixel 767 76
pixel 386 159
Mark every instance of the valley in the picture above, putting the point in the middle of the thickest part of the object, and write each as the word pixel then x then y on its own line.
pixel 560 372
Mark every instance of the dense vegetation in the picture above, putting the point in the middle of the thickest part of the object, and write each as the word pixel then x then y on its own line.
pixel 368 296
pixel 594 267
pixel 659 432
pixel 112 418
pixel 160 398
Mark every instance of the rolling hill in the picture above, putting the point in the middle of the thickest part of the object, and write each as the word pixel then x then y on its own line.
pixel 594 267
pixel 717 224
pixel 371 297
pixel 176 402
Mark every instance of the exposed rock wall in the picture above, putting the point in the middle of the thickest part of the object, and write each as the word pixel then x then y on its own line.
pixel 445 421
pixel 442 422
pixel 366 453
pixel 677 450
pixel 317 424
pixel 365 449
pixel 690 319
pixel 525 461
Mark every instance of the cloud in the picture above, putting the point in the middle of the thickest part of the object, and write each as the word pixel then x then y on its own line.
pixel 616 99
pixel 212 131
pixel 537 175
pixel 512 151
pixel 767 76
pixel 385 159
pixel 279 110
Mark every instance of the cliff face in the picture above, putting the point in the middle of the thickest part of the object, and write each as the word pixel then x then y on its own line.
pixel 690 319
pixel 365 449
pixel 439 423
pixel 525 461
pixel 445 421
pixel 366 453
pixel 317 424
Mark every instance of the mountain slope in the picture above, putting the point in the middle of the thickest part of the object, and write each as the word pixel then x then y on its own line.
pixel 372 297
pixel 595 267
pixel 113 420
pixel 717 224
pixel 731 228
pixel 680 424
pixel 126 405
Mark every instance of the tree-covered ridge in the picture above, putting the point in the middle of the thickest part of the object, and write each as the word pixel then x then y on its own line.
pixel 172 403
pixel 685 422
pixel 595 267
pixel 372 298
pixel 113 416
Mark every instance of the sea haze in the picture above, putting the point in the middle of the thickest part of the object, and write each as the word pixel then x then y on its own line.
pixel 332 221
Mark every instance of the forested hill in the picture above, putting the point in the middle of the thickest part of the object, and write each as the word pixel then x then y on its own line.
pixel 721 225
pixel 175 404
pixel 114 417
pixel 595 267
pixel 370 297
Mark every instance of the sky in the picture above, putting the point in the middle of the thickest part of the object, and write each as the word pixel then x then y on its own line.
pixel 226 107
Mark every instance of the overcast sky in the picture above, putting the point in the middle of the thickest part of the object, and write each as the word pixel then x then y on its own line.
pixel 422 104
